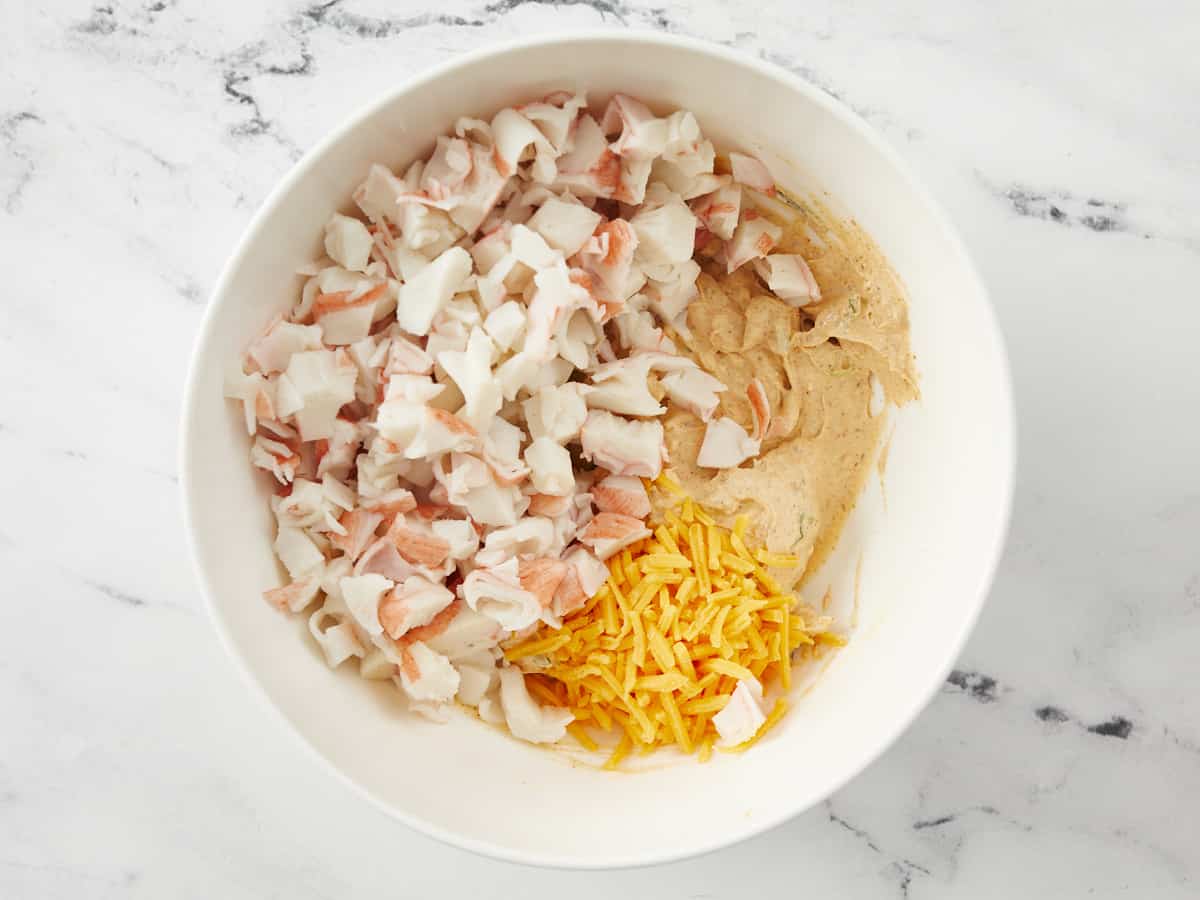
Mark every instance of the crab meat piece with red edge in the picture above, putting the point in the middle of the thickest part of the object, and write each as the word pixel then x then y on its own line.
pixel 665 227
pixel 755 237
pixel 416 543
pixel 719 211
pixel 427 676
pixel 379 194
pixel 257 394
pixel 555 116
pixel 276 457
pixel 359 526
pixel 382 558
pixel 623 446
pixel 556 412
pixel 589 167
pixel 273 350
pixel 496 592
pixel 622 494
pixel 412 604
pixel 480 193
pixel 423 296
pixel 641 134
pixel 750 171
pixel 542 577
pixel 789 278
pixel 608 533
pixel 346 316
pixel 516 140
pixel 607 261
pixel 447 168
pixel 725 445
pixel 525 719
pixel 459 534
pixel 760 407
pixel 307 506
pixel 531 537
pixel 472 372
pixel 458 631
pixel 315 386
pixel 694 390
pixel 584 577
pixel 294 597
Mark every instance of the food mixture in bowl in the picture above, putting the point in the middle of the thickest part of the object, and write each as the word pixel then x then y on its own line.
pixel 565 416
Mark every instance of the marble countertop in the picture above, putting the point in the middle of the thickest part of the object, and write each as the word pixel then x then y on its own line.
pixel 1062 757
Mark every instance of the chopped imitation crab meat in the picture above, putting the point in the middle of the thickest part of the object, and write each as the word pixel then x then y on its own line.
pixel 743 715
pixel 461 403
pixel 525 719
pixel 789 278
pixel 750 171
pixel 608 533
pixel 754 237
pixel 622 494
pixel 623 446
pixel 725 445
pixel 497 593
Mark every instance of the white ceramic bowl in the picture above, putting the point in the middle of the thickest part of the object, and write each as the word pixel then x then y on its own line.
pixel 927 554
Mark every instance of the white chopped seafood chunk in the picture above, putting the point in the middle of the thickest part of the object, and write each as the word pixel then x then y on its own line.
pixel 525 719
pixel 477 676
pixel 497 593
pixel 256 393
pixel 426 675
pixel 379 194
pixel 531 537
pixel 471 370
pixel 694 390
pixel 750 171
pixel 622 387
pixel 348 242
pixel 295 596
pixel 296 550
pixel 725 445
pixel 742 715
pixel 665 227
pixel 754 237
pixel 362 595
pixel 459 534
pixel 622 494
pixel 337 641
pixel 585 576
pixel 565 226
pixel 494 504
pixel 609 532
pixel 315 386
pixel 556 412
pixel 550 467
pixel 789 278
pixel 465 633
pixel 623 446
pixel 642 135
pixel 411 605
pixel 506 324
pixel 720 210
pixel 423 296
pixel 274 349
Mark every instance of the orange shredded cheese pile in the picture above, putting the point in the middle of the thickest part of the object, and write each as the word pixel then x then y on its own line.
pixel 658 651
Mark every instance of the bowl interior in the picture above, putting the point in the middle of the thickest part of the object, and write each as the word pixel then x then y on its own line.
pixel 922 561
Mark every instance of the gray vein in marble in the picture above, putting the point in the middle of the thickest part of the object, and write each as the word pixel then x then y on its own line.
pixel 901 868
pixel 975 685
pixel 117 594
pixel 10 127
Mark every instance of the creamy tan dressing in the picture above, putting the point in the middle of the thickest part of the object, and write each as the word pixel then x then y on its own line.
pixel 815 364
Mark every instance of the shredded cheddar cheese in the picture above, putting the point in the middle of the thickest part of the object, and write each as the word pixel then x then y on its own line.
pixel 684 615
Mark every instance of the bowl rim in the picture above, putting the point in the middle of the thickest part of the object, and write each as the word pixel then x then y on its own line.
pixel 1006 421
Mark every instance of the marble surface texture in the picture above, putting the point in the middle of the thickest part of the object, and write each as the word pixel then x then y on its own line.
pixel 1062 757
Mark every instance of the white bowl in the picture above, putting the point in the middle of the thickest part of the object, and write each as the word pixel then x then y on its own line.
pixel 927 554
